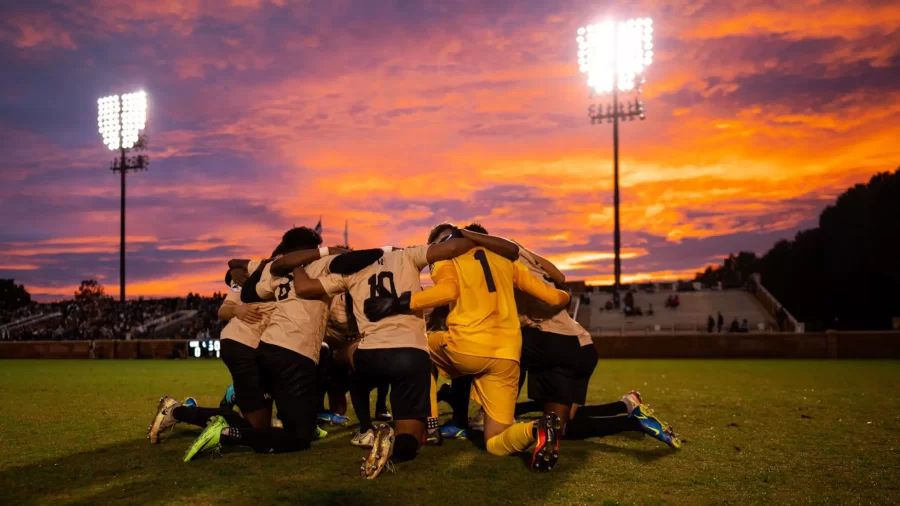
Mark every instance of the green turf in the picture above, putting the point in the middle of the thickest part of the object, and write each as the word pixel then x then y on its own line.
pixel 773 432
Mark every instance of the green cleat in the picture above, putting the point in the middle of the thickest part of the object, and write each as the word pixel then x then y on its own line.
pixel 208 440
pixel 320 433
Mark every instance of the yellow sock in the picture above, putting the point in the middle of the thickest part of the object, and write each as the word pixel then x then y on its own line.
pixel 516 438
pixel 434 401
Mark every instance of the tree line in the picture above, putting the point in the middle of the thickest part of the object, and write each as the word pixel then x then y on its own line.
pixel 843 274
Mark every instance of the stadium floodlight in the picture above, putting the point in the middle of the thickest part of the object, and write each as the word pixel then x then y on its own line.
pixel 614 55
pixel 121 120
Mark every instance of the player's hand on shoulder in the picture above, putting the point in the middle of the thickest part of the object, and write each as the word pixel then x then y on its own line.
pixel 380 307
pixel 248 314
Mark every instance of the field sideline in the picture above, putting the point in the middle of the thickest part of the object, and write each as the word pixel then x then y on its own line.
pixel 776 432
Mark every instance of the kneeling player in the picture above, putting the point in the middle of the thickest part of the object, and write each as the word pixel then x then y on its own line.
pixel 239 340
pixel 484 339
pixel 286 357
pixel 392 350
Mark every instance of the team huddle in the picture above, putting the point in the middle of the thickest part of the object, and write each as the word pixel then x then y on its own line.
pixel 312 322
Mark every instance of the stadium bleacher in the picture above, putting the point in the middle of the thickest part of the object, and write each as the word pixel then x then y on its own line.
pixel 690 316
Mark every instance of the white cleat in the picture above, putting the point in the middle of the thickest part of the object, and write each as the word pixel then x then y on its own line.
pixel 164 419
pixel 364 439
pixel 380 454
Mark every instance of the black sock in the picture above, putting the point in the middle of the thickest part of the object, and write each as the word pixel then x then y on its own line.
pixel 381 400
pixel 583 427
pixel 522 375
pixel 199 416
pixel 528 407
pixel 269 440
pixel 359 396
pixel 405 448
pixel 611 409
pixel 460 389
pixel 444 394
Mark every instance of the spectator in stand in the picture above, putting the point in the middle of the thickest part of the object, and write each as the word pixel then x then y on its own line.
pixel 710 324
pixel 650 310
pixel 587 298
pixel 609 305
pixel 720 322
pixel 745 326
pixel 735 326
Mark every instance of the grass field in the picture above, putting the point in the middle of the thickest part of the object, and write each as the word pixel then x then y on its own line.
pixel 775 432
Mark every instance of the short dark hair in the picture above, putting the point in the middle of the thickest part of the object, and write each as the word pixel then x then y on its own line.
pixel 476 227
pixel 438 230
pixel 299 238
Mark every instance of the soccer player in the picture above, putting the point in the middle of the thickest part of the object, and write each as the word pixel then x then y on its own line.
pixel 559 357
pixel 239 340
pixel 287 354
pixel 394 349
pixel 484 340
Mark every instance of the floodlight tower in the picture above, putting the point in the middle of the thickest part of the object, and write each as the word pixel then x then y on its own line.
pixel 121 120
pixel 614 56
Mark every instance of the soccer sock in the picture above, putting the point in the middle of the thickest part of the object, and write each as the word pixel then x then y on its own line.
pixel 199 416
pixel 405 448
pixel 435 413
pixel 528 407
pixel 583 427
pixel 611 409
pixel 461 388
pixel 359 396
pixel 381 401
pixel 269 440
pixel 516 438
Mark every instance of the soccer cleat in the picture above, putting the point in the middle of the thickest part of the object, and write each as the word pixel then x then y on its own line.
pixel 320 433
pixel 477 422
pixel 383 416
pixel 546 448
pixel 190 402
pixel 380 454
pixel 655 427
pixel 632 400
pixel 434 437
pixel 450 431
pixel 164 418
pixel 363 439
pixel 276 423
pixel 333 418
pixel 208 440
pixel 228 399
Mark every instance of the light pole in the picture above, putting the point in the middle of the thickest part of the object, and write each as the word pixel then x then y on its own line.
pixel 121 121
pixel 614 56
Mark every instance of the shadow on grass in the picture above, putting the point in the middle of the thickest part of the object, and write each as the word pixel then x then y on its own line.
pixel 136 472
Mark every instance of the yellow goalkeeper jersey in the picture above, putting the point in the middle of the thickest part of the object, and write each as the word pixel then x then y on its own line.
pixel 479 286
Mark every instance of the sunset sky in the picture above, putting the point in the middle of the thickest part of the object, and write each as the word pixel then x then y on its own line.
pixel 398 115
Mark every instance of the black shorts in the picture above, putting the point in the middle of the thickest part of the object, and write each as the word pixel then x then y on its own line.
pixel 240 360
pixel 559 368
pixel 291 379
pixel 407 370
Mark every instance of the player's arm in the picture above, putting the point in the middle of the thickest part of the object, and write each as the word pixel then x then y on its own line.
pixel 555 275
pixel 230 309
pixel 444 291
pixel 528 283
pixel 505 248
pixel 287 263
pixel 258 288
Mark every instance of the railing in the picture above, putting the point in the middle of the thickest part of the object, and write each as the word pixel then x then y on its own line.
pixel 31 320
pixel 772 305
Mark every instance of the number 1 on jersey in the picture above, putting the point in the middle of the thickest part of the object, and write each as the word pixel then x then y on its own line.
pixel 488 278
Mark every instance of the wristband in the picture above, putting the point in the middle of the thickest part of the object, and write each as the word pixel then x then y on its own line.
pixel 324 252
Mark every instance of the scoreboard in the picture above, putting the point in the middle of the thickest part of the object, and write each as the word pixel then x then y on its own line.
pixel 208 348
